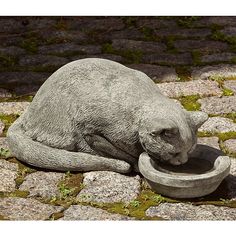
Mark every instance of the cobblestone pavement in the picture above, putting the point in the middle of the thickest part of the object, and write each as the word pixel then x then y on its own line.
pixel 191 59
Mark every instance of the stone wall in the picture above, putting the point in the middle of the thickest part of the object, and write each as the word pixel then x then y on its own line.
pixel 165 48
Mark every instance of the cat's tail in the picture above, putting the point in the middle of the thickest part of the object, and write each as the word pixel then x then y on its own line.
pixel 40 155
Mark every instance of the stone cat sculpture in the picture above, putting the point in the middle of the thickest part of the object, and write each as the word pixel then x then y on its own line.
pixel 96 114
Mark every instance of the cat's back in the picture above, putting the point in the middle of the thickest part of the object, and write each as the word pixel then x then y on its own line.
pixel 98 77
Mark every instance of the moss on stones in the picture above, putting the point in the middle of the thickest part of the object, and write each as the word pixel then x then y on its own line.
pixel 190 102
pixel 8 120
pixel 196 55
pixel 221 136
pixel 187 21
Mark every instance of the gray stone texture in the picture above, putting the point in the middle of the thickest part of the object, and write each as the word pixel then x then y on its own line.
pixel 218 105
pixel 155 23
pixel 145 47
pixel 10 40
pixel 214 20
pixel 201 45
pixel 218 125
pixel 200 87
pixel 218 57
pixel 69 48
pixel 155 72
pixel 109 187
pixel 17 78
pixel 8 173
pixel 130 33
pixel 89 24
pixel 220 70
pixel 5 93
pixel 229 31
pixel 112 57
pixel 179 32
pixel 209 141
pixel 230 145
pixel 2 126
pixel 80 212
pixel 186 211
pixel 42 184
pixel 170 59
pixel 12 51
pixel 230 84
pixel 8 108
pixel 42 61
pixel 3 143
pixel 15 208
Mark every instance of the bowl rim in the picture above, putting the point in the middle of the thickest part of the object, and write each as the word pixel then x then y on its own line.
pixel 220 171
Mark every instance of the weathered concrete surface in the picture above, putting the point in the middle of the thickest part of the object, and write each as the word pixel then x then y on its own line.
pixel 42 184
pixel 15 208
pixel 80 212
pixel 107 186
pixel 186 211
pixel 200 87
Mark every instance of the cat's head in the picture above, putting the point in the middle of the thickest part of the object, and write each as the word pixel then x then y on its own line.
pixel 171 138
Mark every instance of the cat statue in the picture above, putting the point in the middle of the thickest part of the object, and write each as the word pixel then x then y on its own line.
pixel 96 114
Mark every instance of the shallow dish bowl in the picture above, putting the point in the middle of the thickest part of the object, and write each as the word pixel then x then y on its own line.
pixel 200 176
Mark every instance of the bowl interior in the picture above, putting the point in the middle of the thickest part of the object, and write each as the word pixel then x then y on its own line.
pixel 194 166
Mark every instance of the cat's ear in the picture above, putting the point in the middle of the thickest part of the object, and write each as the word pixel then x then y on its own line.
pixel 197 118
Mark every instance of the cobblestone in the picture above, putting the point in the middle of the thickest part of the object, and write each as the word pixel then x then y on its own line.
pixel 200 87
pixel 170 59
pixel 8 108
pixel 15 208
pixel 80 212
pixel 218 57
pixel 17 78
pixel 216 105
pixel 229 31
pixel 209 141
pixel 69 48
pixel 145 47
pixel 42 61
pixel 201 45
pixel 230 84
pixel 8 173
pixel 220 70
pixel 108 187
pixel 12 51
pixel 5 93
pixel 218 125
pixel 42 184
pixel 186 211
pixel 2 126
pixel 156 73
pixel 230 145
pixel 155 23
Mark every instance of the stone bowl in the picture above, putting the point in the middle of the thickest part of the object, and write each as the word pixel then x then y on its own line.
pixel 200 176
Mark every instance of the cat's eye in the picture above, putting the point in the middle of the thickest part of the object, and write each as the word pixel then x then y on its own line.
pixel 169 132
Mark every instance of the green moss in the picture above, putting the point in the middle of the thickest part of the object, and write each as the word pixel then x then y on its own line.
pixel 169 40
pixel 30 45
pixel 61 24
pixel 227 92
pixel 149 34
pixel 131 56
pixel 8 120
pixel 221 136
pixel 183 73
pixel 4 153
pixel 56 216
pixel 196 55
pixel 129 21
pixel 187 21
pixel 71 185
pixel 7 61
pixel 107 48
pixel 17 99
pixel 16 193
pixel 190 102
